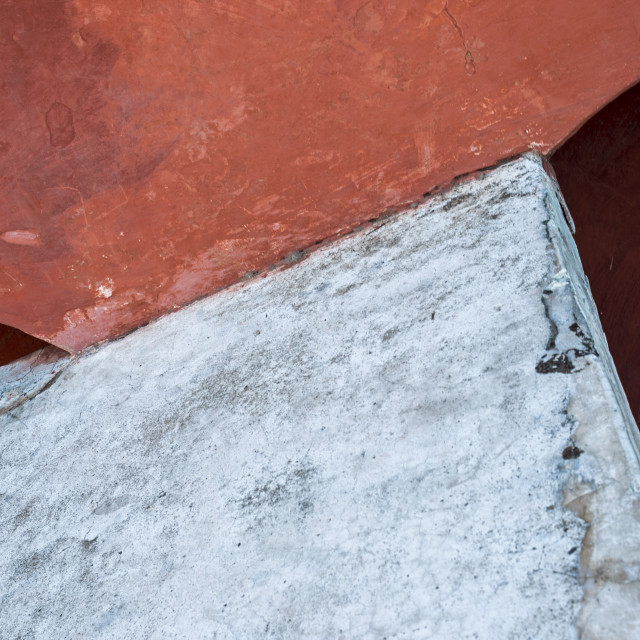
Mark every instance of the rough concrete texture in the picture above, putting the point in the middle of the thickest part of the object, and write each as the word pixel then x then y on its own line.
pixel 153 151
pixel 414 433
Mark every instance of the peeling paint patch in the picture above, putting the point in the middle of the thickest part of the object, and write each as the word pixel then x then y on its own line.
pixel 568 342
pixel 105 289
pixel 24 237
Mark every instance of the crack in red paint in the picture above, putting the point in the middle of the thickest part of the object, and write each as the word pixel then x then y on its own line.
pixel 469 66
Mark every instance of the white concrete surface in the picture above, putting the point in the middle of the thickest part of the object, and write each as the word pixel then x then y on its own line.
pixel 368 444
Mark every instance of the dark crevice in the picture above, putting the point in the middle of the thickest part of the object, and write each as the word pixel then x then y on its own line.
pixel 15 344
pixel 598 170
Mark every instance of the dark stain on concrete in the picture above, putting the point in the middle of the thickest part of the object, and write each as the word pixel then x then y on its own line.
pixel 572 452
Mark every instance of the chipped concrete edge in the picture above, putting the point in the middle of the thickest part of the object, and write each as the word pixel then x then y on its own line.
pixel 29 376
pixel 603 481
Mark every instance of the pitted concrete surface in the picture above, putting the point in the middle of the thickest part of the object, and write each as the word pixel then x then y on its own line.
pixel 366 446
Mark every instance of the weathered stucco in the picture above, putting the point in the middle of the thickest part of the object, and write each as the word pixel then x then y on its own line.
pixel 406 435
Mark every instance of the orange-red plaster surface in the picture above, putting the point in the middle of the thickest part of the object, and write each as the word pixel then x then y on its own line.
pixel 153 151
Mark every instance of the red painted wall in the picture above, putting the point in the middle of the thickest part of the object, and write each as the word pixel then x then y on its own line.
pixel 152 152
pixel 599 173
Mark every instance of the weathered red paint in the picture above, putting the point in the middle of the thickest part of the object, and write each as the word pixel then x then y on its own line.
pixel 160 150
pixel 599 173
